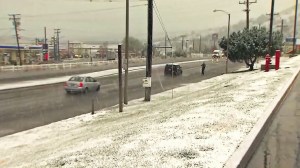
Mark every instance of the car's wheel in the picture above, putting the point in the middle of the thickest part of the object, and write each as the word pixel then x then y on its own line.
pixel 98 88
pixel 85 90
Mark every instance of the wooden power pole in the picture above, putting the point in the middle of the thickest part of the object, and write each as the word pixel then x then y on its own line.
pixel 247 10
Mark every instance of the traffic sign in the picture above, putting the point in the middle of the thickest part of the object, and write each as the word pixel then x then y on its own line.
pixel 147 82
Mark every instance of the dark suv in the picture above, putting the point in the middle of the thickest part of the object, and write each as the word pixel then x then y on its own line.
pixel 177 70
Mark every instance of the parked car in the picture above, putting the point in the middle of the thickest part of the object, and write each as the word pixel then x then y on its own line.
pixel 216 54
pixel 81 84
pixel 177 70
pixel 111 55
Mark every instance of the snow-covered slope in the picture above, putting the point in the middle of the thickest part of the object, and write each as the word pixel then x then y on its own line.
pixel 201 126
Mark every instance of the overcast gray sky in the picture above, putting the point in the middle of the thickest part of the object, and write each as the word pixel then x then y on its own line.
pixel 103 20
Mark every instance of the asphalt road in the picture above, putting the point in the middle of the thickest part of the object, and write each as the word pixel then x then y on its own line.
pixel 280 147
pixel 26 108
pixel 17 76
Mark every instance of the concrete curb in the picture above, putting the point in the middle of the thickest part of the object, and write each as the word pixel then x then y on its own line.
pixel 241 157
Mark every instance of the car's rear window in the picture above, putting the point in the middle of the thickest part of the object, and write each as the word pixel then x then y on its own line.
pixel 77 79
pixel 170 66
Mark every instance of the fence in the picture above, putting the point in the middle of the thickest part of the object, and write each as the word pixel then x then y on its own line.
pixel 54 66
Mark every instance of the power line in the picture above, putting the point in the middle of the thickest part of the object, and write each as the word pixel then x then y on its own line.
pixel 159 16
pixel 84 11
pixel 161 22
pixel 78 12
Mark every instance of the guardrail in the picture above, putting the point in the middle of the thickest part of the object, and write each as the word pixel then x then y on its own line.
pixel 53 66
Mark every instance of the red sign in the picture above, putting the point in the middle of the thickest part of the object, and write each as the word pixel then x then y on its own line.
pixel 46 57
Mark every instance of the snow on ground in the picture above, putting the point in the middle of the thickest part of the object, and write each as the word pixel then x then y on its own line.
pixel 201 126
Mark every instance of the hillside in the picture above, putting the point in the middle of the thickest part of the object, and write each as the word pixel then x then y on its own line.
pixel 263 20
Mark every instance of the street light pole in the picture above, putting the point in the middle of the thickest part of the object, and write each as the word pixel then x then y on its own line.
pixel 186 46
pixel 281 28
pixel 295 27
pixel 228 36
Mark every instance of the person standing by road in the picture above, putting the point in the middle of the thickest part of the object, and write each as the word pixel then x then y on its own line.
pixel 203 65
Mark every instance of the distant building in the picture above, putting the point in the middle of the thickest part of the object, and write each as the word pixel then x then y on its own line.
pixel 29 54
pixel 75 49
pixel 81 50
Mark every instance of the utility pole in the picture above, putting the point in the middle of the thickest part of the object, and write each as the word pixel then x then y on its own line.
pixel 91 58
pixel 228 38
pixel 295 27
pixel 282 26
pixel 193 45
pixel 271 26
pixel 200 44
pixel 54 47
pixel 45 47
pixel 45 34
pixel 57 31
pixel 149 50
pixel 68 48
pixel 16 21
pixel 186 45
pixel 215 43
pixel 247 10
pixel 281 29
pixel 274 14
pixel 120 78
pixel 126 53
pixel 182 37
pixel 282 23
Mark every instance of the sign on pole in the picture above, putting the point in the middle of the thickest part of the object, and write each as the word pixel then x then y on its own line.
pixel 147 82
pixel 215 36
pixel 45 52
